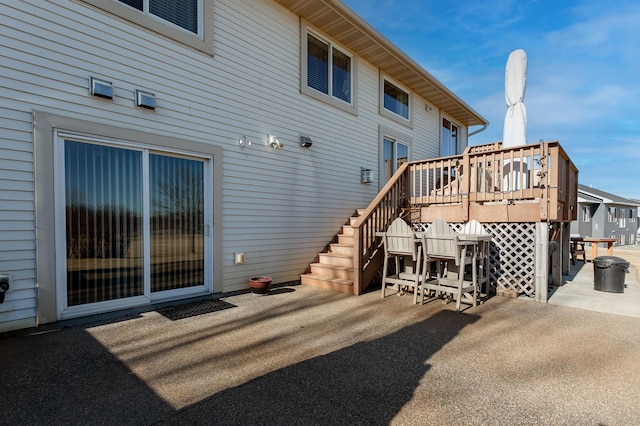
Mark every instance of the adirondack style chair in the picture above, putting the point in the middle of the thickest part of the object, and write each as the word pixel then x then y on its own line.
pixel 442 245
pixel 475 227
pixel 399 242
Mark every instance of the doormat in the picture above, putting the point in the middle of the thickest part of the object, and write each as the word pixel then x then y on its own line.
pixel 175 313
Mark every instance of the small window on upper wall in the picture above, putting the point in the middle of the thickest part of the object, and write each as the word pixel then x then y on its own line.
pixel 187 21
pixel 327 72
pixel 395 101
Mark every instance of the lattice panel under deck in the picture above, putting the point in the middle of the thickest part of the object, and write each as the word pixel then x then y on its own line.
pixel 512 255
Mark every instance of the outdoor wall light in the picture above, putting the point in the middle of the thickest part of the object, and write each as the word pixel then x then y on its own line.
pixel 305 141
pixel 145 99
pixel 101 88
pixel 274 142
pixel 244 142
pixel 366 175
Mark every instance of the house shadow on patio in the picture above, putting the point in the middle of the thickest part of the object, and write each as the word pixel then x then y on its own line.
pixel 366 383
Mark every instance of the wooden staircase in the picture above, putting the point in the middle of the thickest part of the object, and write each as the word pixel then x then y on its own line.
pixel 333 269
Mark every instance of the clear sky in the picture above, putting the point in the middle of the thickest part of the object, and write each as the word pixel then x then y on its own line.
pixel 583 74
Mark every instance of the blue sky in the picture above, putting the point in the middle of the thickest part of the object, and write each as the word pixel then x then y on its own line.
pixel 583 74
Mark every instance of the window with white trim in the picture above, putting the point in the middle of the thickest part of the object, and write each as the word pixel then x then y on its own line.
pixel 622 218
pixel 133 224
pixel 328 71
pixel 449 138
pixel 187 21
pixel 632 215
pixel 586 214
pixel 612 214
pixel 395 101
pixel 183 13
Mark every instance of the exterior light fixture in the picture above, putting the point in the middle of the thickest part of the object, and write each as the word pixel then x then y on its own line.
pixel 145 99
pixel 305 141
pixel 244 142
pixel 101 88
pixel 274 142
pixel 366 175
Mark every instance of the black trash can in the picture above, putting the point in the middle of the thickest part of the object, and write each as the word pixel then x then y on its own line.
pixel 608 273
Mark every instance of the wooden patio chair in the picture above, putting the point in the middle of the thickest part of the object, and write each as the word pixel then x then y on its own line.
pixel 475 227
pixel 442 245
pixel 399 242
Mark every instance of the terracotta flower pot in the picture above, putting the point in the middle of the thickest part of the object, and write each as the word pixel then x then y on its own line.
pixel 260 285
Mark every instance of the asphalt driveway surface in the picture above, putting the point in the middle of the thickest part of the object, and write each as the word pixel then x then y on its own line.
pixel 307 356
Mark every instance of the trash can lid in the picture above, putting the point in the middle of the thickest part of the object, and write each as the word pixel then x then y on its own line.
pixel 604 261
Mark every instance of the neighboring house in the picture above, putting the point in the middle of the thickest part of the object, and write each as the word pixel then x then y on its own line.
pixel 605 215
pixel 154 151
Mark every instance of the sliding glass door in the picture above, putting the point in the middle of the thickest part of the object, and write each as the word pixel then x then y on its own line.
pixel 135 224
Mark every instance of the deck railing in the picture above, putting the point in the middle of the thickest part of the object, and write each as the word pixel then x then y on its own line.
pixel 539 183
pixel 389 204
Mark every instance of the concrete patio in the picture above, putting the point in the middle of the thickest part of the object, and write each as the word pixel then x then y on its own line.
pixel 303 355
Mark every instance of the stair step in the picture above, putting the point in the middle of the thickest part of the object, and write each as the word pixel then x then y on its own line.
pixel 343 249
pixel 346 240
pixel 353 220
pixel 325 270
pixel 336 259
pixel 347 230
pixel 342 286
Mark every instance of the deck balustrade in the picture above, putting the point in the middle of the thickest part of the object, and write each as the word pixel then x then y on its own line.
pixel 489 183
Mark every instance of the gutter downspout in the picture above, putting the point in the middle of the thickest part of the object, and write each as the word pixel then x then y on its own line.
pixel 475 132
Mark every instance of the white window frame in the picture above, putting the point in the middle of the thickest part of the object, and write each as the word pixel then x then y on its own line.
pixel 388 133
pixel 612 212
pixel 622 219
pixel 351 106
pixel 63 310
pixel 407 121
pixel 202 41
pixel 458 143
pixel 586 214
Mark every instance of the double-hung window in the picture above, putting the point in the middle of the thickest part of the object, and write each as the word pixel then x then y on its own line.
pixel 586 214
pixel 395 101
pixel 186 21
pixel 327 72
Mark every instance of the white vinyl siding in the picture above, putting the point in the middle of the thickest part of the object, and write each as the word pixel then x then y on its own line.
pixel 279 207
pixel 190 23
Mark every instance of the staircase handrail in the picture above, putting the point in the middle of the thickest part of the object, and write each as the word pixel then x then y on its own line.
pixel 385 207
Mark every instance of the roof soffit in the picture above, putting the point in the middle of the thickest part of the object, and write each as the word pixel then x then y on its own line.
pixel 339 22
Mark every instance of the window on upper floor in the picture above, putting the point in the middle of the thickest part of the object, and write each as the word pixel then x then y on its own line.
pixel 448 138
pixel 612 214
pixel 395 101
pixel 632 215
pixel 328 71
pixel 622 218
pixel 187 21
pixel 586 214
pixel 183 13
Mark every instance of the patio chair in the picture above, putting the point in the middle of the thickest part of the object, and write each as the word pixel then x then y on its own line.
pixel 475 227
pixel 442 245
pixel 399 242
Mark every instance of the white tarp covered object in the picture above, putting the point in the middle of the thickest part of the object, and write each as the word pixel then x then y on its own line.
pixel 515 122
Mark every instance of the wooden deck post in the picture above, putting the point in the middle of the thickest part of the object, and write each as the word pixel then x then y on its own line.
pixel 566 248
pixel 542 261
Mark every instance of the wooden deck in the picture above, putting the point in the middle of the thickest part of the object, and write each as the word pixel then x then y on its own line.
pixel 526 184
